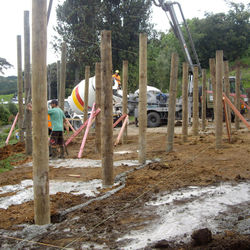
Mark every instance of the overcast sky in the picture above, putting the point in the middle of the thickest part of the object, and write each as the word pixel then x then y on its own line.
pixel 11 22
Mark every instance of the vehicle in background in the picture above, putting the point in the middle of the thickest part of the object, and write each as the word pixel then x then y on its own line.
pixel 76 101
pixel 210 98
pixel 157 107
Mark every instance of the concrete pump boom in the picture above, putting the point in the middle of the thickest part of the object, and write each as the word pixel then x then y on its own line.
pixel 168 6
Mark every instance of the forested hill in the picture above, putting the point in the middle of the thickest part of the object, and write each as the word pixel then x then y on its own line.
pixel 8 85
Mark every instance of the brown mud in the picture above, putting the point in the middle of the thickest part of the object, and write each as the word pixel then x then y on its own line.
pixel 195 162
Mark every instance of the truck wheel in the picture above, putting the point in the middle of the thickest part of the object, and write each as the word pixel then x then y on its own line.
pixel 136 122
pixel 154 120
pixel 77 124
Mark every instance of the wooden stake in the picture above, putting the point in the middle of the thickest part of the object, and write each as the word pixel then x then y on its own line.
pixel 184 101
pixel 213 81
pixel 195 103
pixel 58 66
pixel 98 97
pixel 237 96
pixel 20 87
pixel 86 94
pixel 125 98
pixel 227 92
pixel 62 76
pixel 142 97
pixel 107 109
pixel 39 113
pixel 27 84
pixel 172 101
pixel 204 97
pixel 219 111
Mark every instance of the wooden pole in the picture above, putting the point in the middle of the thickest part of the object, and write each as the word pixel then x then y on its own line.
pixel 49 84
pixel 107 109
pixel 27 84
pixel 213 81
pixel 58 78
pixel 40 113
pixel 86 94
pixel 184 101
pixel 98 98
pixel 125 97
pixel 142 97
pixel 237 96
pixel 62 76
pixel 227 92
pixel 195 103
pixel 219 108
pixel 20 87
pixel 172 101
pixel 204 97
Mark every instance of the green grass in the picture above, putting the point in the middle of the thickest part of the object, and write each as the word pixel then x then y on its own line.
pixel 4 135
pixel 6 98
pixel 6 164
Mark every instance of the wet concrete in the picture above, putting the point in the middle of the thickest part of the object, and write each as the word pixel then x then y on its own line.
pixel 179 213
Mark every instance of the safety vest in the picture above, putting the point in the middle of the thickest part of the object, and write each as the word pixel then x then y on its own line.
pixel 49 122
pixel 117 78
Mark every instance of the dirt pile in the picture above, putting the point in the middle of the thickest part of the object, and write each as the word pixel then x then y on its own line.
pixel 9 150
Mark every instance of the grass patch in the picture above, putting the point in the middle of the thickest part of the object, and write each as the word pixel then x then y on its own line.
pixel 6 164
pixel 6 98
pixel 4 135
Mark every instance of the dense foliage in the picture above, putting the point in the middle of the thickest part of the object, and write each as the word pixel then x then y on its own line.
pixel 4 115
pixel 81 21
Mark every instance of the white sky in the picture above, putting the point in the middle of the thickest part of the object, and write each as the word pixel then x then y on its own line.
pixel 11 22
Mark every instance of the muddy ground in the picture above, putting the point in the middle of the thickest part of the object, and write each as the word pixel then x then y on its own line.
pixel 101 223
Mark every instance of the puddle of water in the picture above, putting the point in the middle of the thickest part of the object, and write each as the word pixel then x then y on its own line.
pixel 186 210
pixel 24 191
pixel 123 152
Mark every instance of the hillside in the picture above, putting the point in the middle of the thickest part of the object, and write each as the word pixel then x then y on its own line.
pixel 8 85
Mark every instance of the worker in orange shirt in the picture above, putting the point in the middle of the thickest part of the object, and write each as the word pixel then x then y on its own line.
pixel 117 78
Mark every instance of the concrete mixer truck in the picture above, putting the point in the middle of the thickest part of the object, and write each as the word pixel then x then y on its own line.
pixel 76 101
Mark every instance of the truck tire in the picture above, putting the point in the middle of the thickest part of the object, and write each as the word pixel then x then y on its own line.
pixel 77 124
pixel 154 119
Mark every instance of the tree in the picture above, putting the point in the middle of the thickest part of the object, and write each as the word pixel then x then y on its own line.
pixel 81 21
pixel 4 64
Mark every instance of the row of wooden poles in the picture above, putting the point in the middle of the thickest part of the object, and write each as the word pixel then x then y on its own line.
pixel 104 100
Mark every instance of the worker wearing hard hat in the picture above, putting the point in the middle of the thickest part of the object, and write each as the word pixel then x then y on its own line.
pixel 117 78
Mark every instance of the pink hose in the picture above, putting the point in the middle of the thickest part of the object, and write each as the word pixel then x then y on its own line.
pixel 86 131
pixel 11 130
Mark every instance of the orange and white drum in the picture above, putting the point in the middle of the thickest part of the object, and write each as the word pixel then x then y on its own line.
pixel 76 100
